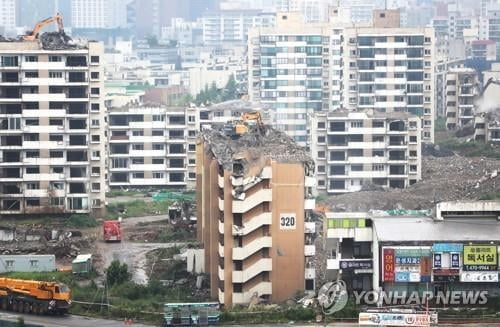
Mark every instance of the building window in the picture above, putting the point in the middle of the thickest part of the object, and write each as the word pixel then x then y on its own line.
pixel 137 133
pixel 95 138
pixel 34 263
pixel 138 175
pixel 94 75
pixel 157 133
pixel 137 146
pixel 321 154
pixel 31 74
pixel 137 161
pixel 95 122
pixel 94 107
pixel 96 171
pixel 9 264
pixel 94 59
pixel 158 175
pixel 96 203
pixel 56 201
pixel 95 90
pixel 192 175
pixel 378 167
pixel 33 186
pixel 96 187
pixel 96 154
pixel 55 74
pixel 357 124
pixel 158 117
pixel 158 146
pixel 31 58
pixel 157 161
pixel 55 58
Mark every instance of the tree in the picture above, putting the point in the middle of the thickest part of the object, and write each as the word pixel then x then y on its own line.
pixel 117 273
pixel 230 91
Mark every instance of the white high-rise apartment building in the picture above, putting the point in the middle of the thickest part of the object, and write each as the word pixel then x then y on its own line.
pixel 99 13
pixel 299 68
pixel 7 14
pixel 52 139
pixel 312 10
pixel 152 146
pixel 461 90
pixel 353 149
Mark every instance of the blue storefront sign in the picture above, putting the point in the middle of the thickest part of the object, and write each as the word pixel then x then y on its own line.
pixel 447 247
pixel 402 277
pixel 407 260
pixel 437 260
pixel 455 260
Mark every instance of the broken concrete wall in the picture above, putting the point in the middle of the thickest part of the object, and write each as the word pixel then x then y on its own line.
pixel 195 259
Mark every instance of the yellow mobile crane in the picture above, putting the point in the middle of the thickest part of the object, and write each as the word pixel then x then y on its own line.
pixel 33 35
pixel 30 296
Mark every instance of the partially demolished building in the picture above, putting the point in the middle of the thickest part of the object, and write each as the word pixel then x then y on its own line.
pixel 255 215
pixel 52 117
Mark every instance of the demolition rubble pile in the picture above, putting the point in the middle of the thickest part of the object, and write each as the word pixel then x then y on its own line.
pixel 270 143
pixel 53 41
pixel 444 179
pixel 39 240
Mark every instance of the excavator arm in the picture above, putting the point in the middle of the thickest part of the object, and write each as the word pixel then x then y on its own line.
pixel 33 35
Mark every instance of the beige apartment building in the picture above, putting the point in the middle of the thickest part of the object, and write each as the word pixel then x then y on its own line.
pixel 152 146
pixel 461 90
pixel 52 123
pixel 358 149
pixel 254 215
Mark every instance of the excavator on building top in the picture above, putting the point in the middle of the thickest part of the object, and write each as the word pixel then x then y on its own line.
pixel 237 128
pixel 35 33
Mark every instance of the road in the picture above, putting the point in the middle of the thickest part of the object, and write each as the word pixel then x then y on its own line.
pixel 66 321
pixel 132 253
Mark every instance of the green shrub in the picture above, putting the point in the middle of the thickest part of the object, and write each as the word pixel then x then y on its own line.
pixel 117 273
pixel 80 221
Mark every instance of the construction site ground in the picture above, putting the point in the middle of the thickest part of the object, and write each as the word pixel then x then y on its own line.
pixel 449 178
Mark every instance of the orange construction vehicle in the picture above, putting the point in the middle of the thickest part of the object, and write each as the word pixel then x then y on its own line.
pixel 30 296
pixel 112 230
pixel 33 35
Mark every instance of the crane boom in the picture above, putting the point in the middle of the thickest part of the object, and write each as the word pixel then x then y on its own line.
pixel 33 35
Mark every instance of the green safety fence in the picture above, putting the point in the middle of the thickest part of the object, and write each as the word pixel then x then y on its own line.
pixel 173 196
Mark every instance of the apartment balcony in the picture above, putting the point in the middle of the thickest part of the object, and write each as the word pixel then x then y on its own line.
pixel 42 193
pixel 221 204
pixel 359 234
pixel 309 250
pixel 262 288
pixel 220 272
pixel 310 227
pixel 262 195
pixel 44 113
pixel 309 204
pixel 221 296
pixel 221 227
pixel 256 222
pixel 264 264
pixel 220 181
pixel 367 174
pixel 332 264
pixel 310 273
pixel 220 250
pixel 241 253
pixel 310 181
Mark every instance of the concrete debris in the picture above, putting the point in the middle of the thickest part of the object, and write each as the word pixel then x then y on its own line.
pixel 60 41
pixel 444 179
pixel 236 154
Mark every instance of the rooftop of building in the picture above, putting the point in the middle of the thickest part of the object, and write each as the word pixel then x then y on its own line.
pixel 423 229
pixel 46 41
pixel 370 113
pixel 257 145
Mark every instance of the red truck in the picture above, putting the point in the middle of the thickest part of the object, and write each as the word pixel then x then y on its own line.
pixel 112 231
